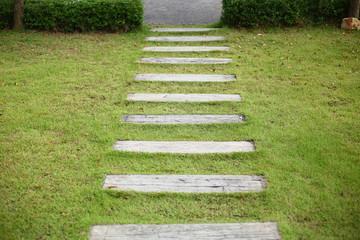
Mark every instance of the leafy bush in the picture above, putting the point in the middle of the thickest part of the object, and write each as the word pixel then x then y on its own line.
pixel 254 13
pixel 6 13
pixel 83 15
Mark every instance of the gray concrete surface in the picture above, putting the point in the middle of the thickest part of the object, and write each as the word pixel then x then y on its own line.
pixel 185 49
pixel 182 97
pixel 186 39
pixel 179 12
pixel 184 77
pixel 183 119
pixel 185 183
pixel 184 146
pixel 186 60
pixel 209 231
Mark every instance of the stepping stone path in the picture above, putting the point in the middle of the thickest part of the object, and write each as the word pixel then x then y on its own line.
pixel 185 183
pixel 170 97
pixel 184 146
pixel 183 119
pixel 186 60
pixel 185 49
pixel 226 231
pixel 184 77
pixel 186 39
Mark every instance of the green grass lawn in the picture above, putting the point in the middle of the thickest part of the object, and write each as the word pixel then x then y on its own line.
pixel 62 97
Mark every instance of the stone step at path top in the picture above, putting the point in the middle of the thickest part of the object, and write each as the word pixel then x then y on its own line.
pixel 181 12
pixel 185 49
pixel 184 77
pixel 183 119
pixel 186 60
pixel 186 39
pixel 186 183
pixel 171 97
pixel 208 231
pixel 184 146
pixel 183 29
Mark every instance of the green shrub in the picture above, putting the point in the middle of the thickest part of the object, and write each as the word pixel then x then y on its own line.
pixel 83 15
pixel 6 13
pixel 254 13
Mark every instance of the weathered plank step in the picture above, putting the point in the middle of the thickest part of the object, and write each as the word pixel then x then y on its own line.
pixel 186 60
pixel 183 119
pixel 184 77
pixel 170 97
pixel 186 39
pixel 185 183
pixel 184 146
pixel 208 231
pixel 185 49
pixel 183 29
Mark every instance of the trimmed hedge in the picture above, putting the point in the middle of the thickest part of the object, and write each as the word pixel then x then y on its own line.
pixel 6 13
pixel 83 15
pixel 80 15
pixel 258 13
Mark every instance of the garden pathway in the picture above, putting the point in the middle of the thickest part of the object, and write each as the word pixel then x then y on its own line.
pixel 185 183
pixel 230 231
pixel 179 12
pixel 183 119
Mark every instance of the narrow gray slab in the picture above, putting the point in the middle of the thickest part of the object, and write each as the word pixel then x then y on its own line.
pixel 186 60
pixel 184 77
pixel 183 119
pixel 182 29
pixel 185 49
pixel 209 231
pixel 186 39
pixel 185 183
pixel 184 146
pixel 167 97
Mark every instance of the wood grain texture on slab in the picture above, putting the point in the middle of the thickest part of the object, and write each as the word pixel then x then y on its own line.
pixel 185 49
pixel 209 231
pixel 186 39
pixel 186 60
pixel 185 183
pixel 184 77
pixel 184 146
pixel 183 119
pixel 173 97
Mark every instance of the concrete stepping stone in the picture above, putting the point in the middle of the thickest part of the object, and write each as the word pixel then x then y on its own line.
pixel 183 29
pixel 186 60
pixel 185 183
pixel 208 231
pixel 168 97
pixel 184 146
pixel 184 77
pixel 186 39
pixel 183 119
pixel 185 49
